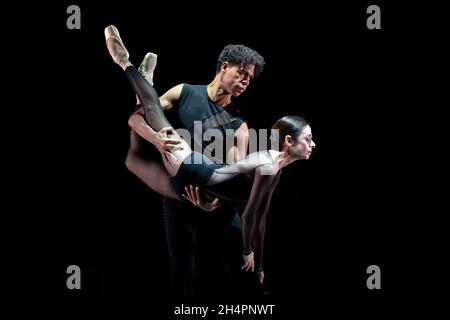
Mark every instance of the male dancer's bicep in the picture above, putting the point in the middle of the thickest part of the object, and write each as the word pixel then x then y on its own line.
pixel 239 150
pixel 168 99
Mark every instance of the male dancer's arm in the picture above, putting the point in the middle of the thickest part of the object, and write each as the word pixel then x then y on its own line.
pixel 159 139
pixel 137 160
pixel 162 141
pixel 170 97
pixel 239 150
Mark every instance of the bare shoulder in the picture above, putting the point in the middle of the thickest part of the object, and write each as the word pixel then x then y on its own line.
pixel 262 163
pixel 171 96
pixel 259 158
pixel 174 92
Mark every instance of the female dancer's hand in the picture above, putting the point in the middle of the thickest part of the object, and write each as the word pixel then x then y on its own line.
pixel 193 195
pixel 260 275
pixel 249 262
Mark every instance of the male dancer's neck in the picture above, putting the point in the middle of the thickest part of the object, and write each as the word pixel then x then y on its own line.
pixel 217 93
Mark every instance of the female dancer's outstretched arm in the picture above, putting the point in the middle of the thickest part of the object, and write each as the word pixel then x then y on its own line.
pixel 261 189
pixel 260 231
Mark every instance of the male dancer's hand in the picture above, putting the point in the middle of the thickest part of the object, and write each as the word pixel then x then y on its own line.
pixel 161 139
pixel 193 195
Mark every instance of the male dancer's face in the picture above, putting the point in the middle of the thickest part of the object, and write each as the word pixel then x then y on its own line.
pixel 236 79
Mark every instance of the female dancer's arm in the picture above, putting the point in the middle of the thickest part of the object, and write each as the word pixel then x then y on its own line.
pixel 258 241
pixel 260 190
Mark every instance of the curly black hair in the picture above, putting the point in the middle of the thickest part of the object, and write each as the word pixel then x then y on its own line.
pixel 238 53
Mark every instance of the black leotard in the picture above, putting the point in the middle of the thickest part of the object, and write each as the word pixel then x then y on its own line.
pixel 198 169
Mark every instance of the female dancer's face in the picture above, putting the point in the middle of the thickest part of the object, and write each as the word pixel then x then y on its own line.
pixel 304 144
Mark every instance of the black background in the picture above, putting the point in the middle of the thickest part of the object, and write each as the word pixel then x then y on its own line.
pixel 350 206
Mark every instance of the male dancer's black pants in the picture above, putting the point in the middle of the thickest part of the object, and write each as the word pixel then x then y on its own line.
pixel 204 252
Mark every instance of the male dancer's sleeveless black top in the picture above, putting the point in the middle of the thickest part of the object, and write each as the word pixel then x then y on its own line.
pixel 195 104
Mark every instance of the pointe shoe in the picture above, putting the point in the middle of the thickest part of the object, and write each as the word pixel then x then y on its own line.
pixel 115 46
pixel 148 65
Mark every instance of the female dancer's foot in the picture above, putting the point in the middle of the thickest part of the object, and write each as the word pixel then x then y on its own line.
pixel 148 66
pixel 116 47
